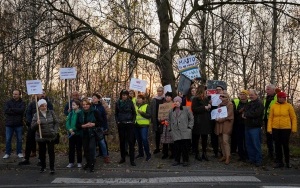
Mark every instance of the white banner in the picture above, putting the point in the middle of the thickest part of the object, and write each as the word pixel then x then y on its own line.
pixel 186 62
pixel 107 100
pixel 192 73
pixel 219 113
pixel 34 87
pixel 67 73
pixel 138 85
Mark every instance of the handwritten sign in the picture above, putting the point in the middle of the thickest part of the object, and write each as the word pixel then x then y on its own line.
pixel 67 73
pixel 192 73
pixel 219 113
pixel 34 87
pixel 163 110
pixel 215 99
pixel 186 62
pixel 137 84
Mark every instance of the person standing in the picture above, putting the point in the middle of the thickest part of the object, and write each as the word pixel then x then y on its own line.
pixel 125 115
pixel 281 122
pixel 143 115
pixel 14 111
pixel 68 109
pixel 181 122
pixel 202 126
pixel 48 123
pixel 74 118
pixel 155 102
pixel 213 136
pixel 223 128
pixel 270 99
pixel 239 121
pixel 253 115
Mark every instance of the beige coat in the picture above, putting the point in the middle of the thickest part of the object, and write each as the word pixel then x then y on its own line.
pixel 224 125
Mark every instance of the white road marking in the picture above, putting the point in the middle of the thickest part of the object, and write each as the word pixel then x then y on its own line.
pixel 158 180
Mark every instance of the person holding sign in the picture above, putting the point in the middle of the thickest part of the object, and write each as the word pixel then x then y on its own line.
pixel 142 123
pixel 181 122
pixel 223 127
pixel 68 107
pixel 202 126
pixel 48 123
pixel 166 137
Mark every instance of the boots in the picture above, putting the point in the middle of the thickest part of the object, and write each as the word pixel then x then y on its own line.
pixel 92 168
pixel 222 159
pixel 227 161
pixel 106 160
pixel 204 156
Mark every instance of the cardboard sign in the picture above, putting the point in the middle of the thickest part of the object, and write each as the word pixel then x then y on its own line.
pixel 138 85
pixel 219 113
pixel 34 87
pixel 67 73
pixel 184 84
pixel 163 110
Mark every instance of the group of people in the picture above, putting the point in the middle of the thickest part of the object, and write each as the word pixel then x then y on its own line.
pixel 188 121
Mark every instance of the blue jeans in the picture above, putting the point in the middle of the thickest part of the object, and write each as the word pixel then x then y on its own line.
pixel 9 133
pixel 253 144
pixel 103 147
pixel 141 134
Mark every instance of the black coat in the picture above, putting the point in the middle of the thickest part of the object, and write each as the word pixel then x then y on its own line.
pixel 254 112
pixel 202 123
pixel 125 112
pixel 14 111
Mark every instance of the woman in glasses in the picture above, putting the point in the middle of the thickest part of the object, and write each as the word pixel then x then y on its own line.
pixel 223 128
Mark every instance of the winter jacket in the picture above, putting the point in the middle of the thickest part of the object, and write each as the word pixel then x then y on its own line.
pixel 224 125
pixel 125 112
pixel 74 119
pixel 155 102
pixel 49 126
pixel 181 124
pixel 282 116
pixel 92 116
pixel 103 114
pixel 254 112
pixel 14 111
pixel 201 116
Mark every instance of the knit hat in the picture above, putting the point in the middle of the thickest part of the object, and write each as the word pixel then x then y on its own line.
pixel 41 101
pixel 246 92
pixel 178 99
pixel 169 94
pixel 281 95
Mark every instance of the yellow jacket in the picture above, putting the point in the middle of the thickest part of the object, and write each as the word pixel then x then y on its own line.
pixel 282 116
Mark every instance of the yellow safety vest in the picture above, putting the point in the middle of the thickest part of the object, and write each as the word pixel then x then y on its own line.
pixel 140 120
pixel 271 103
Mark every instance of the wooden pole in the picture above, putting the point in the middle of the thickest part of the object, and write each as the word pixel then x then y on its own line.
pixel 69 94
pixel 38 115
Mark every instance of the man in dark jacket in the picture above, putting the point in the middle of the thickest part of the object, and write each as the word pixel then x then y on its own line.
pixel 125 115
pixel 14 110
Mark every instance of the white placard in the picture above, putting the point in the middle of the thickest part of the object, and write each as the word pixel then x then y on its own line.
pixel 107 100
pixel 167 88
pixel 219 113
pixel 34 87
pixel 137 84
pixel 215 99
pixel 192 73
pixel 186 62
pixel 67 73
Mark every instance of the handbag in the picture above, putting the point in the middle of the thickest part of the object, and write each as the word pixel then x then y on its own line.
pixel 57 138
pixel 98 133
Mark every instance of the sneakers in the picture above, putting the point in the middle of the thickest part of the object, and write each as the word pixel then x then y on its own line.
pixel 79 165
pixel 20 155
pixel 70 165
pixel 25 162
pixel 6 156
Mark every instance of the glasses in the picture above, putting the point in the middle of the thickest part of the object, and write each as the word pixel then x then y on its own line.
pixel 222 96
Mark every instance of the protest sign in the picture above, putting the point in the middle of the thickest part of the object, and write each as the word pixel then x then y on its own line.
pixel 34 87
pixel 67 73
pixel 184 84
pixel 215 99
pixel 212 84
pixel 163 110
pixel 167 88
pixel 186 62
pixel 219 113
pixel 137 84
pixel 107 100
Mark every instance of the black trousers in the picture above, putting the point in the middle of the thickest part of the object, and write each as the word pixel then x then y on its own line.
pixel 195 142
pixel 43 146
pixel 282 140
pixel 270 140
pixel 30 143
pixel 241 142
pixel 75 145
pixel 157 139
pixel 126 134
pixel 89 147
pixel 181 149
pixel 167 148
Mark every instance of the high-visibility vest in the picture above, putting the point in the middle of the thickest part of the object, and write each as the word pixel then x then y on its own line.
pixel 140 120
pixel 271 103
